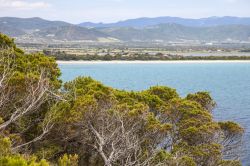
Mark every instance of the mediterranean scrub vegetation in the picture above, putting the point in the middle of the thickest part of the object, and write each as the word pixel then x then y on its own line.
pixel 62 55
pixel 44 122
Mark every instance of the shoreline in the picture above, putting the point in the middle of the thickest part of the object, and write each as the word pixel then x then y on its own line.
pixel 153 62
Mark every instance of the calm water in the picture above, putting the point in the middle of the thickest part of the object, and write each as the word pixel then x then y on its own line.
pixel 229 84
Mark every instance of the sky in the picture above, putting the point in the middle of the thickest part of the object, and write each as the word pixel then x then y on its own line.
pixel 77 11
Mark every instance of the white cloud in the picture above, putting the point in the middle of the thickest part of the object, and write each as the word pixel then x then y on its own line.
pixel 21 4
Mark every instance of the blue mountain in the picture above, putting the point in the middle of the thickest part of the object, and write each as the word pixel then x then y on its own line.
pixel 144 22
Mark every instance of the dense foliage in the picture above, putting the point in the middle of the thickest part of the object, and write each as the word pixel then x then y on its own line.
pixel 84 122
pixel 61 55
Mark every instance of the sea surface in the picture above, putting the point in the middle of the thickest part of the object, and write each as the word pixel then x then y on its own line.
pixel 228 83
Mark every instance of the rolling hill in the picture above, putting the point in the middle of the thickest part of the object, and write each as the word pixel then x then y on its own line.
pixel 213 29
pixel 144 22
pixel 29 24
pixel 176 32
pixel 37 29
pixel 70 33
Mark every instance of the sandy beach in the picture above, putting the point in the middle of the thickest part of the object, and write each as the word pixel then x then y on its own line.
pixel 153 62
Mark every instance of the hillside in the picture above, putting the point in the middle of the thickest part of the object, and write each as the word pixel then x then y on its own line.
pixel 40 30
pixel 11 30
pixel 36 30
pixel 144 22
pixel 70 33
pixel 29 24
pixel 175 32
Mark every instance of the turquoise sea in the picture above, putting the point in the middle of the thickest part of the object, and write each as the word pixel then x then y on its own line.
pixel 229 84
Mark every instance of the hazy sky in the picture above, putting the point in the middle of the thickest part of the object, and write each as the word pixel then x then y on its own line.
pixel 76 11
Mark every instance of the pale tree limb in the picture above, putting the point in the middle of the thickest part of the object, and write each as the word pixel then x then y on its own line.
pixel 36 96
pixel 46 127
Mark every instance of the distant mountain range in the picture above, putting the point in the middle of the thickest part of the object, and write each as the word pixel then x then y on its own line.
pixel 145 22
pixel 40 30
pixel 161 29
pixel 179 33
